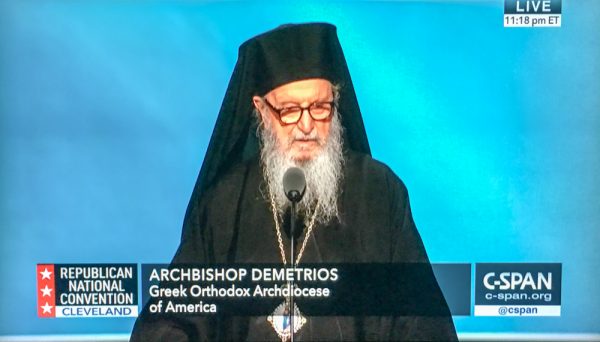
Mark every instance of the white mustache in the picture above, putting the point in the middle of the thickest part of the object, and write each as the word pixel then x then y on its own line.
pixel 298 135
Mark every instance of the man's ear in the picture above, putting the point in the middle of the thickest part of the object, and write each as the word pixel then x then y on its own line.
pixel 260 109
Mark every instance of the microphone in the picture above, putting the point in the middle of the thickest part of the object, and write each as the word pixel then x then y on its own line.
pixel 294 184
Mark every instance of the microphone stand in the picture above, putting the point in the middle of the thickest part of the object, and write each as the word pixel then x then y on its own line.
pixel 294 185
pixel 292 260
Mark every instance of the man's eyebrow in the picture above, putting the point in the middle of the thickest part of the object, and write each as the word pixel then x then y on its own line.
pixel 290 103
pixel 296 103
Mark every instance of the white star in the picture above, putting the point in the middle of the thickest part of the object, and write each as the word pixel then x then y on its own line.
pixel 46 291
pixel 47 308
pixel 46 274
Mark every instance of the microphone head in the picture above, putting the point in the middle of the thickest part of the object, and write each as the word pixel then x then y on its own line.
pixel 294 184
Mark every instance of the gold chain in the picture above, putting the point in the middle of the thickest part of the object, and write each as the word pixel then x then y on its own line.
pixel 278 230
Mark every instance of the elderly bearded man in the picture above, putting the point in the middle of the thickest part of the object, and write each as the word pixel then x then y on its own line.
pixel 291 102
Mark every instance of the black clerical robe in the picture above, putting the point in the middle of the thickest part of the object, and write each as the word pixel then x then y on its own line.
pixel 234 225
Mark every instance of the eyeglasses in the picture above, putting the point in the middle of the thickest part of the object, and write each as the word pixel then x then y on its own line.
pixel 318 111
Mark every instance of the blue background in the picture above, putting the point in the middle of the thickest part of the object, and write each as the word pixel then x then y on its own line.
pixel 106 109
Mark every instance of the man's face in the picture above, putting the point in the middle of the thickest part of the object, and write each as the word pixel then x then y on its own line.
pixel 303 140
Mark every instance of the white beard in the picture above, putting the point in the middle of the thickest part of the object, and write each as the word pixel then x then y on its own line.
pixel 323 172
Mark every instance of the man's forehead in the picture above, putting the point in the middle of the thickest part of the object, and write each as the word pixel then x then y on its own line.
pixel 304 90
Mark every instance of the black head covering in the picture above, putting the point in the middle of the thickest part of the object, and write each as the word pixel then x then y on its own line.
pixel 286 54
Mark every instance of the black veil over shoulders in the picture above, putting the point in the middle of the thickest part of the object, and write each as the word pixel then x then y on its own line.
pixel 285 54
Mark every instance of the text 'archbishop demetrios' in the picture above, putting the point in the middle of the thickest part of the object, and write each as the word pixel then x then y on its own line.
pixel 241 274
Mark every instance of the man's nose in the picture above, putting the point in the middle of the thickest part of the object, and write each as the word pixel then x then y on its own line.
pixel 306 122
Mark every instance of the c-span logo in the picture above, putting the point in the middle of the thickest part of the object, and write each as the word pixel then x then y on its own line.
pixel 517 289
pixel 87 290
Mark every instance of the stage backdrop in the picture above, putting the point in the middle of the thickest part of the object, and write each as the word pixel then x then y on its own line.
pixel 106 109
